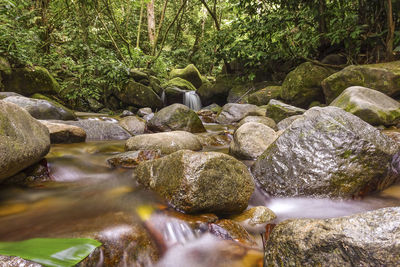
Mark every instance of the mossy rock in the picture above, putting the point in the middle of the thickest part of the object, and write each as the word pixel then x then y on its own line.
pixel 139 95
pixel 190 73
pixel 263 96
pixel 180 84
pixel 28 81
pixel 278 110
pixel 383 77
pixel 218 92
pixel 303 85
pixel 5 67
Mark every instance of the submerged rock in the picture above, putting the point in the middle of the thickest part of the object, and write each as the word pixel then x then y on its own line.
pixel 176 117
pixel 133 125
pixel 64 134
pixel 132 158
pixel 329 152
pixel 23 140
pixel 366 239
pixel 278 110
pixel 42 109
pixel 383 77
pixel 233 112
pixel 259 119
pixel 190 73
pixel 199 181
pixel 167 143
pixel 370 105
pixel 251 139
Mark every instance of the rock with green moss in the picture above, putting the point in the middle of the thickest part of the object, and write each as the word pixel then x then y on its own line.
pixel 176 117
pixel 155 84
pixel 138 75
pixel 30 80
pixel 175 89
pixel 263 96
pixel 233 112
pixel 370 105
pixel 327 153
pixel 5 67
pixel 239 93
pixel 139 95
pixel 190 73
pixel 217 92
pixel 303 85
pixel 180 84
pixel 167 143
pixel 23 140
pixel 199 181
pixel 383 77
pixel 42 109
pixel 365 239
pixel 278 110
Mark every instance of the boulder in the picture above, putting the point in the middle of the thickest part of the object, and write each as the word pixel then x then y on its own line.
pixel 41 109
pixel 383 77
pixel 278 110
pixel 7 94
pixel 167 143
pixel 139 95
pixel 144 111
pixel 30 80
pixel 97 130
pixel 251 140
pixel 231 230
pixel 370 105
pixel 199 181
pixel 155 84
pixel 132 158
pixel 64 134
pixel 255 219
pixel 215 108
pixel 303 85
pixel 263 96
pixel 126 113
pixel 327 153
pixel 134 125
pixel 233 112
pixel 283 124
pixel 190 73
pixel 366 239
pixel 137 75
pixel 176 117
pixel 23 140
pixel 259 119
pixel 217 93
pixel 94 104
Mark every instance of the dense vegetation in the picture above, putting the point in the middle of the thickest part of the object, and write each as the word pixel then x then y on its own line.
pixel 89 45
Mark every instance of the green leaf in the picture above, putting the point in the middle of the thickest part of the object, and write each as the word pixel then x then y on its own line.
pixel 51 251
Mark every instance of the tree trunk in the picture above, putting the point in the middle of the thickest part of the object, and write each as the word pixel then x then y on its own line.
pixel 160 24
pixel 140 24
pixel 390 34
pixel 151 22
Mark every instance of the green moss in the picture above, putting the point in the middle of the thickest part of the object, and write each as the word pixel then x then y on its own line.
pixel 190 74
pixel 181 84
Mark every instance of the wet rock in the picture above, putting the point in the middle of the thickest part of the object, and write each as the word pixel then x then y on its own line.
pixel 30 80
pixel 329 152
pixel 255 219
pixel 263 96
pixel 370 105
pixel 64 134
pixel 366 239
pixel 251 139
pixel 134 125
pixel 233 112
pixel 207 116
pixel 7 94
pixel 383 77
pixel 23 140
pixel 223 138
pixel 42 109
pixel 167 143
pixel 283 124
pixel 35 174
pixel 215 108
pixel 144 111
pixel 278 110
pixel 132 158
pixel 126 113
pixel 199 181
pixel 190 73
pixel 97 130
pixel 176 117
pixel 231 230
pixel 303 85
pixel 10 261
pixel 195 221
pixel 259 119
pixel 139 95
pixel 148 117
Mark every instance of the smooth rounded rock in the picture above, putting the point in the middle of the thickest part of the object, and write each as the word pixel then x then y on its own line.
pixel 283 124
pixel 190 73
pixel 134 125
pixel 278 110
pixel 64 134
pixel 132 158
pixel 259 119
pixel 233 112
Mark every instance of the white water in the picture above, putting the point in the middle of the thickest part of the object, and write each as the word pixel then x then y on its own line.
pixel 192 100
pixel 163 97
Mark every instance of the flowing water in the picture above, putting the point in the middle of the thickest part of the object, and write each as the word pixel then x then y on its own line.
pixel 86 195
pixel 192 100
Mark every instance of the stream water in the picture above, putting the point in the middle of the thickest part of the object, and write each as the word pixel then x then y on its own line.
pixel 84 188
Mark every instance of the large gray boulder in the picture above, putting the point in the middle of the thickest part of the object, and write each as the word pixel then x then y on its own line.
pixel 167 143
pixel 278 110
pixel 23 140
pixel 283 124
pixel 233 112
pixel 251 140
pixel 199 181
pixel 42 109
pixel 328 152
pixel 176 117
pixel 370 105
pixel 61 133
pixel 134 125
pixel 366 239
pixel 383 77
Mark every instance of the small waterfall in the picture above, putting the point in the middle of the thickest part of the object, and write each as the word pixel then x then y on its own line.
pixel 192 100
pixel 163 97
